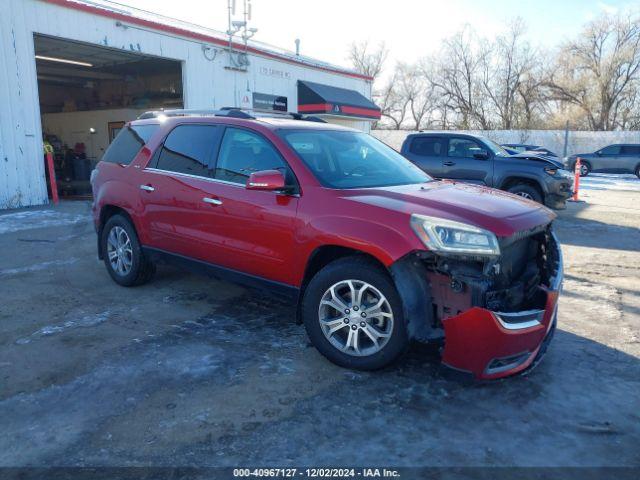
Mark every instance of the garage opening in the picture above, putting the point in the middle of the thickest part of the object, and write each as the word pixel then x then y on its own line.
pixel 87 92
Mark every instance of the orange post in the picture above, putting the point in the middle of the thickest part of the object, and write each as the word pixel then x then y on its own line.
pixel 52 178
pixel 576 180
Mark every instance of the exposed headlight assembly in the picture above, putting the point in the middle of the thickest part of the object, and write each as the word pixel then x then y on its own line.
pixel 448 236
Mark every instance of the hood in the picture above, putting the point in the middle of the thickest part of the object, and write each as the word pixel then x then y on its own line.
pixel 539 157
pixel 499 212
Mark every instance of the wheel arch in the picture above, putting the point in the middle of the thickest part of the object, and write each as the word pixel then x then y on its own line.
pixel 513 180
pixel 323 256
pixel 106 212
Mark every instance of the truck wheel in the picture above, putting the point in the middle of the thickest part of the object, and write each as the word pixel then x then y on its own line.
pixel 353 315
pixel 122 253
pixel 585 169
pixel 526 191
pixel 638 171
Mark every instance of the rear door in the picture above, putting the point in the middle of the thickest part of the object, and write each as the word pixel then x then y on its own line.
pixel 468 160
pixel 428 153
pixel 174 191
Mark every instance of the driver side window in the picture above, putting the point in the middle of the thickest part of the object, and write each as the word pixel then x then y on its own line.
pixel 243 152
pixel 465 148
pixel 610 150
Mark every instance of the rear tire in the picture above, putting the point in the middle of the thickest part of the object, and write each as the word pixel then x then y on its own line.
pixel 526 191
pixel 122 253
pixel 369 308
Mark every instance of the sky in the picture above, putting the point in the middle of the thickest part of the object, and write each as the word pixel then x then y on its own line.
pixel 411 29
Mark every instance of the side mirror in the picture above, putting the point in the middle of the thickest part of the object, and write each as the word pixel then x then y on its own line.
pixel 269 180
pixel 483 155
pixel 599 154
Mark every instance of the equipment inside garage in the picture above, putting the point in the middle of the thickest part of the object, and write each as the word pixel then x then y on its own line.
pixel 87 93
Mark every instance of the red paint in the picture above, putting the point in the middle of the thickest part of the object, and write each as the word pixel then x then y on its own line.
pixel 104 12
pixel 272 235
pixel 52 178
pixel 475 337
pixel 328 108
pixel 268 180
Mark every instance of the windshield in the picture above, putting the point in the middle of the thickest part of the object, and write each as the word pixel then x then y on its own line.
pixel 341 159
pixel 498 150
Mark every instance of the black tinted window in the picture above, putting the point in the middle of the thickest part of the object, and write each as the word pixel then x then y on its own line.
pixel 190 149
pixel 243 152
pixel 611 150
pixel 630 150
pixel 427 146
pixel 128 143
pixel 463 147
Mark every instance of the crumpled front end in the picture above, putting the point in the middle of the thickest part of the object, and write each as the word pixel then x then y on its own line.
pixel 496 315
pixel 513 313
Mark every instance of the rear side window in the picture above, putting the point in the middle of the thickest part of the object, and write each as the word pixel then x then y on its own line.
pixel 243 152
pixel 630 150
pixel 190 149
pixel 428 146
pixel 128 143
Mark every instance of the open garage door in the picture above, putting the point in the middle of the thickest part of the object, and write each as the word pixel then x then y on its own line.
pixel 87 92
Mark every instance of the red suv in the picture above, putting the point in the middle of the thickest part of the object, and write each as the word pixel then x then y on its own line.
pixel 374 252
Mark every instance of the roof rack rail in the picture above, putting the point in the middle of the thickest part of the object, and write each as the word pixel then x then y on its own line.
pixel 233 112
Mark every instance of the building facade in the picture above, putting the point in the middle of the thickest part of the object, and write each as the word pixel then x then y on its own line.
pixel 75 71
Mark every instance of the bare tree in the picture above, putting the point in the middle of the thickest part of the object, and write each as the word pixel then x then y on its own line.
pixel 367 60
pixel 392 102
pixel 509 78
pixel 458 78
pixel 597 70
pixel 417 92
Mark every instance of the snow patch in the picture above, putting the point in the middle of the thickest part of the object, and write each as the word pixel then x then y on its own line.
pixel 30 219
pixel 36 267
pixel 86 321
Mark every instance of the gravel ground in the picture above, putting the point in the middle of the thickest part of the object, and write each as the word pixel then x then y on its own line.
pixel 192 371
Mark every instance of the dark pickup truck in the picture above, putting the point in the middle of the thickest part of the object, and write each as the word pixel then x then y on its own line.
pixel 479 160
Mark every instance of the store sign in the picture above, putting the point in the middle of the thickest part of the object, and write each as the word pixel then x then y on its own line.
pixel 274 72
pixel 264 101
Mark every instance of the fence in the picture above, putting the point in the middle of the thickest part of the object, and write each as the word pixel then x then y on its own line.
pixel 578 142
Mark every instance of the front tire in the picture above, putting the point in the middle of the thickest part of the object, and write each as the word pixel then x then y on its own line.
pixel 585 169
pixel 123 254
pixel 526 191
pixel 353 315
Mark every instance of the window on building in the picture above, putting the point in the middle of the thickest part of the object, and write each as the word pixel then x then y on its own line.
pixel 128 143
pixel 190 149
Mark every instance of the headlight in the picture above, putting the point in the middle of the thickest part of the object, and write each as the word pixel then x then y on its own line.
pixel 558 172
pixel 448 236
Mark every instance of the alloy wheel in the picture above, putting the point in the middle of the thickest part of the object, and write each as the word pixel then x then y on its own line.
pixel 119 251
pixel 584 170
pixel 355 317
pixel 524 195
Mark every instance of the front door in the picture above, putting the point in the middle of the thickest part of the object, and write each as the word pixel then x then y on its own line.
pixel 252 230
pixel 469 161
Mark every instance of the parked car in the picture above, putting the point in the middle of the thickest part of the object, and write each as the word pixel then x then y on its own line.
pixel 372 251
pixel 476 159
pixel 624 158
pixel 522 147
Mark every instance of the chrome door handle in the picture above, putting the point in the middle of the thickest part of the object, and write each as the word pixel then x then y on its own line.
pixel 212 201
pixel 147 188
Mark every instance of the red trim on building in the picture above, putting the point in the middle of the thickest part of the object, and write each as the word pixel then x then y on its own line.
pixel 344 109
pixel 103 12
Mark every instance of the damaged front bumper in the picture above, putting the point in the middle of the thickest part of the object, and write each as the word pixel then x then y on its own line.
pixel 492 344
